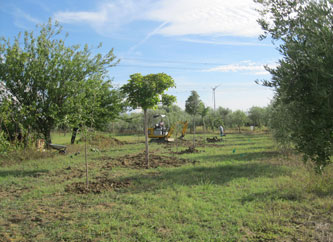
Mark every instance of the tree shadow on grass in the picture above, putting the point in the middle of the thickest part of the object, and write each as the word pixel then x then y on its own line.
pixel 218 175
pixel 22 173
pixel 244 156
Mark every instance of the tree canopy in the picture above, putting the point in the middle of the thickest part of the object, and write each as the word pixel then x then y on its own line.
pixel 52 82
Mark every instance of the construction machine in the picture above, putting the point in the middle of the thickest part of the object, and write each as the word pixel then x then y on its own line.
pixel 161 133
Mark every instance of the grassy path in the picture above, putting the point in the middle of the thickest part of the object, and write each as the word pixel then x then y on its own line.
pixel 241 189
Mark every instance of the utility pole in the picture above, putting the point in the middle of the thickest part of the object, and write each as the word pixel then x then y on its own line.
pixel 214 88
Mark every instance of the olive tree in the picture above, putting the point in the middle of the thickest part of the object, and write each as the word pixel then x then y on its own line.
pixel 145 92
pixel 239 119
pixel 302 79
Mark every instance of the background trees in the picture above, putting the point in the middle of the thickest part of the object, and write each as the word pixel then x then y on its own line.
pixel 50 80
pixel 145 92
pixel 303 78
pixel 192 106
pixel 238 119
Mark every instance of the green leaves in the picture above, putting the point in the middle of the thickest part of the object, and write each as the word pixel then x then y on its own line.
pixel 303 78
pixel 145 91
pixel 58 83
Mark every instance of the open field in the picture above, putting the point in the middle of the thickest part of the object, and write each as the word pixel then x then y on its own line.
pixel 241 189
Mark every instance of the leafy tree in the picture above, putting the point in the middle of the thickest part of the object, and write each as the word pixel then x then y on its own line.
pixel 192 106
pixel 257 116
pixel 46 77
pixel 303 78
pixel 280 120
pixel 145 92
pixel 239 119
pixel 203 111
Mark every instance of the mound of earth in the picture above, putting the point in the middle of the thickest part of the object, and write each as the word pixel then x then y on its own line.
pixel 138 161
pixel 190 150
pixel 101 185
pixel 102 141
pixel 214 140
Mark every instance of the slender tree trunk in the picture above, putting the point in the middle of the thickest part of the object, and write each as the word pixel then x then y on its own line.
pixel 204 128
pixel 85 157
pixel 74 132
pixel 193 131
pixel 146 136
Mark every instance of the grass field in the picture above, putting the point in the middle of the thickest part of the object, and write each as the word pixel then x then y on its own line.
pixel 241 189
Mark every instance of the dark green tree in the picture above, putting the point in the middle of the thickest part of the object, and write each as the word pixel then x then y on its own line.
pixel 303 79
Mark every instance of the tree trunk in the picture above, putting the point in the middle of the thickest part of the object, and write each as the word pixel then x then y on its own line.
pixel 239 129
pixel 193 131
pixel 47 136
pixel 146 137
pixel 85 157
pixel 74 132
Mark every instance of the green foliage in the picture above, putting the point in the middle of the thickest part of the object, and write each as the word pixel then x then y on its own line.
pixel 258 116
pixel 280 120
pixel 303 78
pixel 238 118
pixel 145 91
pixel 4 143
pixel 54 83
pixel 192 104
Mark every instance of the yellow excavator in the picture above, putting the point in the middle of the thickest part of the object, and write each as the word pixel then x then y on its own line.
pixel 161 133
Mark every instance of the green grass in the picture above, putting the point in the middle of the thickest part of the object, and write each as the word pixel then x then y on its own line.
pixel 242 189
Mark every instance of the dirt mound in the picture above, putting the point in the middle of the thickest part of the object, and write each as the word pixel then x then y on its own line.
pixel 190 150
pixel 102 184
pixel 102 141
pixel 138 161
pixel 214 140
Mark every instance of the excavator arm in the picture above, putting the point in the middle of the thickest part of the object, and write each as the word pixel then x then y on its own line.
pixel 185 124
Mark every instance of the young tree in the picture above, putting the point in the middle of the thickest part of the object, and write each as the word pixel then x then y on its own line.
pixel 192 106
pixel 303 78
pixel 43 75
pixel 203 111
pixel 144 92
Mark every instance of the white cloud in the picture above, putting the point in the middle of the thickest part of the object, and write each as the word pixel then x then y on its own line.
pixel 221 17
pixel 183 17
pixel 245 66
pixel 219 42
pixel 108 16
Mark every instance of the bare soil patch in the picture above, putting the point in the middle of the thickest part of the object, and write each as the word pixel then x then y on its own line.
pixel 138 161
pixel 190 150
pixel 100 185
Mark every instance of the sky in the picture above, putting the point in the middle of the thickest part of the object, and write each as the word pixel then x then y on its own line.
pixel 201 44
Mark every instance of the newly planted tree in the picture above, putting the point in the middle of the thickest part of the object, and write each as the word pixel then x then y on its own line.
pixel 145 92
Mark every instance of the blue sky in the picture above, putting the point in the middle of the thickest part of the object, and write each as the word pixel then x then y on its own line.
pixel 200 43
